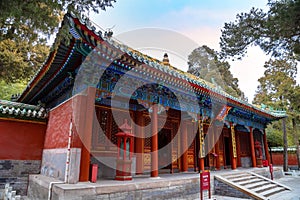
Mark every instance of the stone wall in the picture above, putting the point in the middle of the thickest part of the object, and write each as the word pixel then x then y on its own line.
pixel 226 190
pixel 54 164
pixel 16 173
pixel 246 161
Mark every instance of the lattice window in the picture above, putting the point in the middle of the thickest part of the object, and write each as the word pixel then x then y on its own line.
pixel 148 142
pixel 147 130
pixel 114 131
pixel 117 120
pixel 103 119
pixel 221 144
pixel 191 135
pixel 244 143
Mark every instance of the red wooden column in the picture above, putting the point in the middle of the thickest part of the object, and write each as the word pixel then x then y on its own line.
pixel 217 148
pixel 184 147
pixel 201 164
pixel 154 142
pixel 139 143
pixel 233 142
pixel 86 117
pixel 253 158
pixel 238 149
pixel 266 148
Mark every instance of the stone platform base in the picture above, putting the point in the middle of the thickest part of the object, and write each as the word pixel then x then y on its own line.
pixel 186 187
pixel 167 186
pixel 264 171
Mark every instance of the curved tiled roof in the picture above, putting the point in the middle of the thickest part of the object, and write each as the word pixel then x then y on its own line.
pixel 173 71
pixel 84 31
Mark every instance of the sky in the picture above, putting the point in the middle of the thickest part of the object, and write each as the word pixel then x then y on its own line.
pixel 193 22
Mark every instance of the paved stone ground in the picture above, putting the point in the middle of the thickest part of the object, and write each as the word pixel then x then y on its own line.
pixel 294 183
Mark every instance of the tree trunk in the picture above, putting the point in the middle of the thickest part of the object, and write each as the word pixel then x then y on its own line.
pixel 296 139
pixel 285 145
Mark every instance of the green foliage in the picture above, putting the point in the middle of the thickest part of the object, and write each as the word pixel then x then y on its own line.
pixel 24 28
pixel 277 31
pixel 274 134
pixel 278 88
pixel 19 60
pixel 278 84
pixel 9 89
pixel 28 19
pixel 204 63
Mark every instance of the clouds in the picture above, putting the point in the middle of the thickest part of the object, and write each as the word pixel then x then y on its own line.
pixel 190 17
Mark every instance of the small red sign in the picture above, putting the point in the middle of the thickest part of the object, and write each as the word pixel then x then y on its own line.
pixel 205 180
pixel 271 171
pixel 205 183
pixel 271 168
pixel 265 163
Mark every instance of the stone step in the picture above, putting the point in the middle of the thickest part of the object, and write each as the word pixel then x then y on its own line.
pixel 256 184
pixel 272 191
pixel 241 179
pixel 250 181
pixel 235 175
pixel 265 188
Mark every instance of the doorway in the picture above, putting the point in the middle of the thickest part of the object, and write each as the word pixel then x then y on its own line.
pixel 227 160
pixel 164 149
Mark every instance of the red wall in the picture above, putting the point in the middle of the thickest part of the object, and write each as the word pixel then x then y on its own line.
pixel 21 140
pixel 57 134
pixel 278 158
pixel 59 126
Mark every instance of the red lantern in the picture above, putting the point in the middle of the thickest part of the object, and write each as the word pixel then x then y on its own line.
pixel 258 153
pixel 125 149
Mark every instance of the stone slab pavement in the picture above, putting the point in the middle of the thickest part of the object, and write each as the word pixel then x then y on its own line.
pixel 294 183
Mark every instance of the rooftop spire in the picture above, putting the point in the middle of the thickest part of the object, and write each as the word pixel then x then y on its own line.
pixel 166 60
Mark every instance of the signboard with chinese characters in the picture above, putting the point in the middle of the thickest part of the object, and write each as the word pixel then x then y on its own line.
pixel 233 141
pixel 201 139
pixel 205 183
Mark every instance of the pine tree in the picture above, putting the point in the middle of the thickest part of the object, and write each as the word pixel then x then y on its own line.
pixel 279 90
pixel 204 63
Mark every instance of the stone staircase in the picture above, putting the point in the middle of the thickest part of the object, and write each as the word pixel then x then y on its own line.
pixel 249 184
pixel 8 193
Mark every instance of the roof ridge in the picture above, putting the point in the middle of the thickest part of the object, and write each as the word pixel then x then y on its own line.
pixel 11 108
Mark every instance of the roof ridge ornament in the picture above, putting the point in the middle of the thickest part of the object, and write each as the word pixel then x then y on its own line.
pixel 166 60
